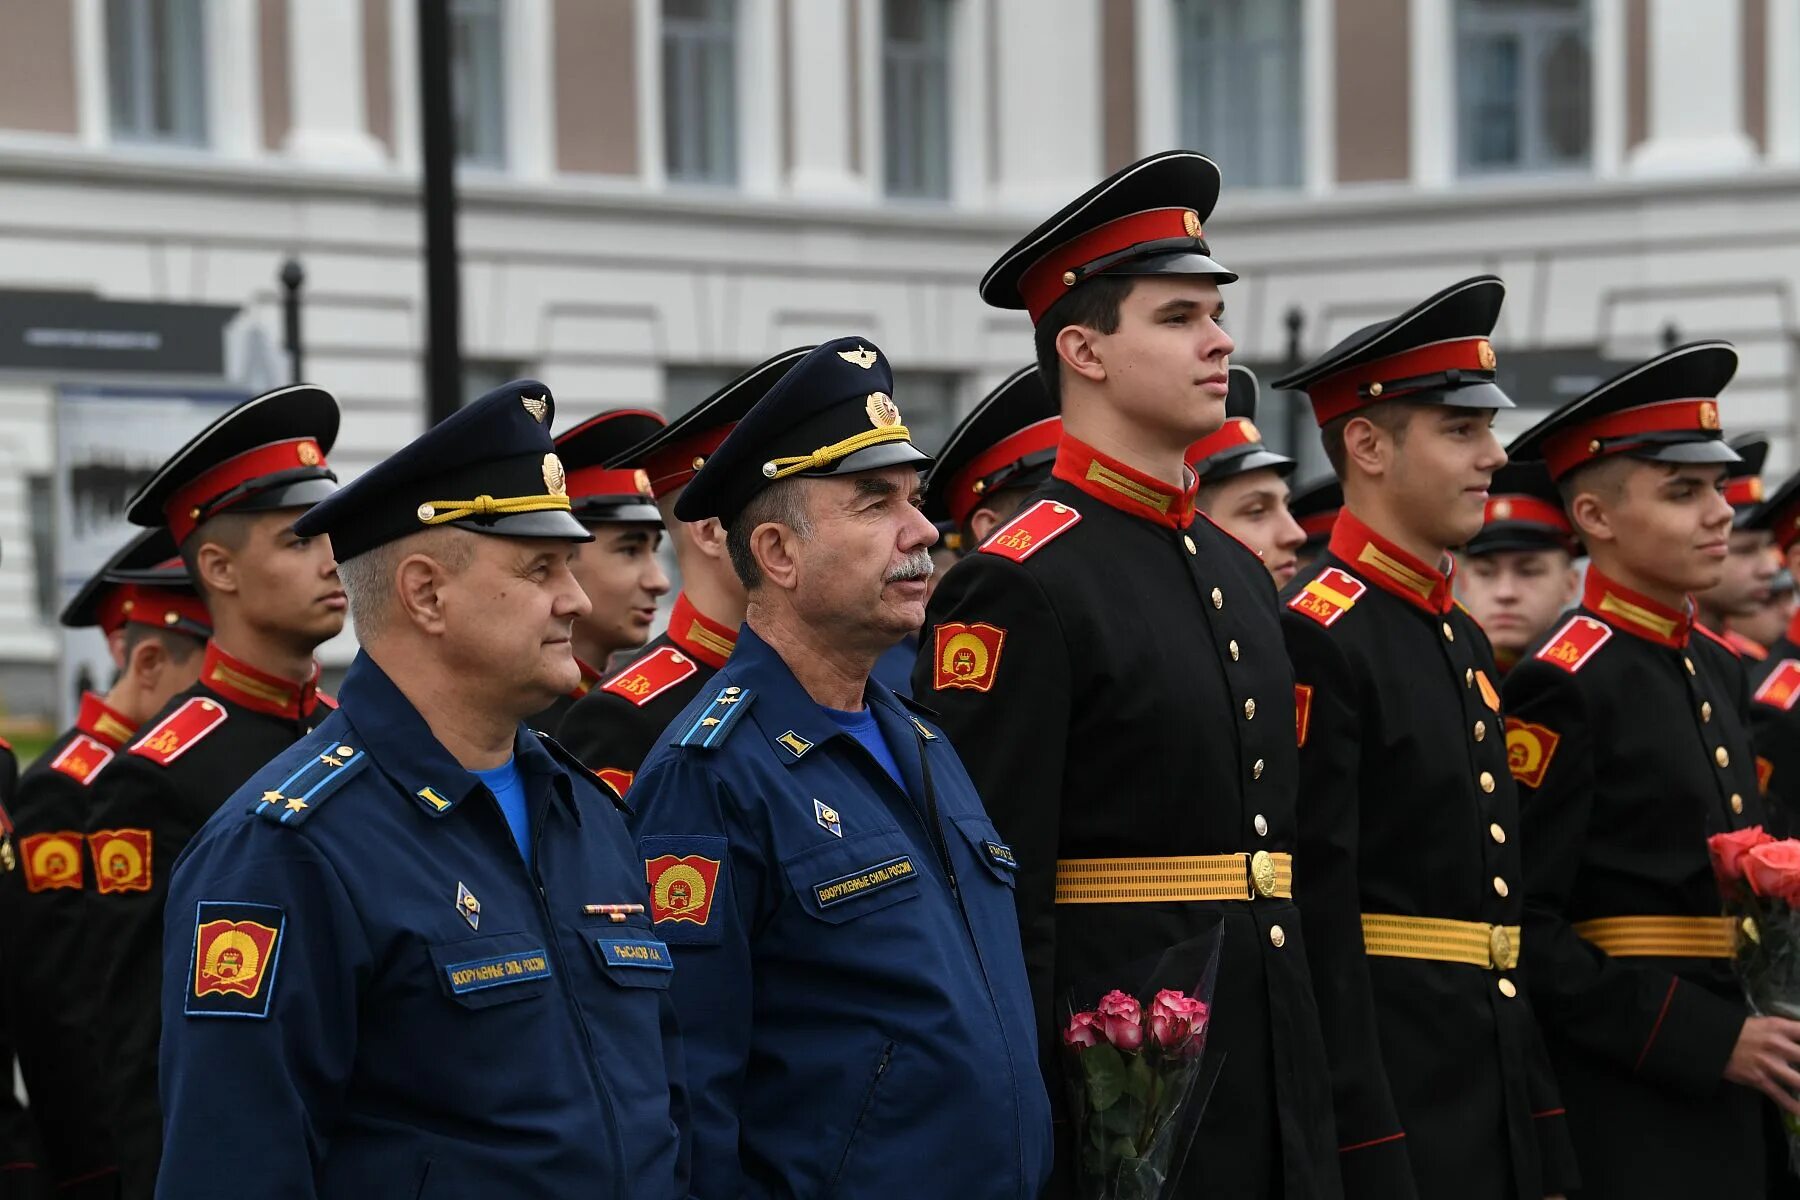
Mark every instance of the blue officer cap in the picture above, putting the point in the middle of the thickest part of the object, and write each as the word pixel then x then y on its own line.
pixel 833 413
pixel 490 468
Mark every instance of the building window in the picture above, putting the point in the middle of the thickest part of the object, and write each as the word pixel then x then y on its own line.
pixel 478 81
pixel 1524 88
pixel 156 71
pixel 1240 69
pixel 915 96
pixel 699 40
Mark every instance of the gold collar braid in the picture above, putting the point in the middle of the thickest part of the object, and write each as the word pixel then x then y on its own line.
pixel 824 456
pixel 438 512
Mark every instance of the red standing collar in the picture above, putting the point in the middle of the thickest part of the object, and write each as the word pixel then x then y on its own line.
pixel 699 635
pixel 1635 613
pixel 1392 569
pixel 238 681
pixel 104 723
pixel 1111 482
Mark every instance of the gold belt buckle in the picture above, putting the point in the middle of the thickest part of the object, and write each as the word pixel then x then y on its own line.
pixel 1262 873
pixel 1499 948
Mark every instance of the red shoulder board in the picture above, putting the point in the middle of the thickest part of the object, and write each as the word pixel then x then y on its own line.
pixel 82 758
pixel 651 675
pixel 1572 645
pixel 1721 639
pixel 1334 593
pixel 327 700
pixel 1750 648
pixel 1782 687
pixel 172 736
pixel 1031 530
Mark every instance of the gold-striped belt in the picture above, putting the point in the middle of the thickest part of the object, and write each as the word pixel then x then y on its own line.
pixel 1661 937
pixel 1190 877
pixel 1476 943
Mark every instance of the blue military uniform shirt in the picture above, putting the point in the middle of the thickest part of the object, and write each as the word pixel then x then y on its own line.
pixel 367 992
pixel 848 975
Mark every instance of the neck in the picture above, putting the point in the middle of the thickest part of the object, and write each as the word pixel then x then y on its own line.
pixel 130 699
pixel 464 719
pixel 1664 594
pixel 281 655
pixel 718 599
pixel 1089 419
pixel 833 671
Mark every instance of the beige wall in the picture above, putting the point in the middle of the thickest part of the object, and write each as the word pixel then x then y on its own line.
pixel 1118 74
pixel 1637 72
pixel 1755 72
pixel 276 111
pixel 37 67
pixel 596 87
pixel 1373 139
pixel 378 71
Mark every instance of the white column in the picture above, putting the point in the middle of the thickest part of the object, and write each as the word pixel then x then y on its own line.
pixel 234 85
pixel 1318 97
pixel 1783 74
pixel 91 92
pixel 759 95
pixel 325 82
pixel 529 81
pixel 1050 99
pixel 648 25
pixel 1158 98
pixel 821 106
pixel 403 47
pixel 1431 100
pixel 969 116
pixel 1696 106
pixel 1608 42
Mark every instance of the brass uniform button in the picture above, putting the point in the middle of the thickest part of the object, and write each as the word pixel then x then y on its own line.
pixel 1469 677
pixel 1689 664
pixel 1500 888
pixel 1262 825
pixel 1497 833
pixel 1480 730
pixel 1250 711
pixel 1256 769
pixel 1487 781
pixel 1449 633
pixel 1737 803
pixel 1277 938
pixel 1188 541
pixel 1706 710
pixel 1507 989
pixel 1722 756
pixel 1233 647
pixel 1218 598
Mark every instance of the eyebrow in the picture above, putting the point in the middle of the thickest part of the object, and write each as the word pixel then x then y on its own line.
pixel 633 535
pixel 875 485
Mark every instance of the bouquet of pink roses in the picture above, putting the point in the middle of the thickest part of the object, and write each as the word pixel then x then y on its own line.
pixel 1133 1069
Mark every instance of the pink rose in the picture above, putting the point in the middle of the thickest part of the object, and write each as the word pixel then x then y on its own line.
pixel 1121 1020
pixel 1176 1018
pixel 1083 1030
pixel 1728 850
pixel 1773 870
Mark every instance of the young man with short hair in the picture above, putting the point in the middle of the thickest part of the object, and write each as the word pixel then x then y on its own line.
pixel 1750 565
pixel 1518 574
pixel 1409 849
pixel 1624 733
pixel 1243 484
pixel 229 499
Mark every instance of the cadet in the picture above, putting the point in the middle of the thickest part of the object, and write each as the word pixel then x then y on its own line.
pixel 24 1176
pixel 145 604
pixel 1314 507
pixel 618 569
pixel 1624 734
pixel 847 966
pixel 411 954
pixel 1409 849
pixel 1774 679
pixel 1519 573
pixel 1750 565
pixel 616 725
pixel 1111 740
pixel 1243 484
pixel 995 457
pixel 229 499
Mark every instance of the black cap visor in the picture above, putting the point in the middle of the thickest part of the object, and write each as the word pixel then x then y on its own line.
pixel 887 454
pixel 1183 261
pixel 1481 393
pixel 1687 450
pixel 552 523
pixel 631 512
pixel 1242 460
pixel 1502 538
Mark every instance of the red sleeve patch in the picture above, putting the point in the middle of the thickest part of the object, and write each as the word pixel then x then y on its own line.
pixel 1325 599
pixel 82 758
pixel 1575 643
pixel 1302 711
pixel 52 860
pixel 121 860
pixel 681 887
pixel 651 675
pixel 1782 686
pixel 172 736
pixel 1031 530
pixel 968 655
pixel 1529 749
pixel 616 778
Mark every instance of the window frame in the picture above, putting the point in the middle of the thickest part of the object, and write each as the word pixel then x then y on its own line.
pixel 700 132
pixel 129 26
pixel 924 116
pixel 1200 89
pixel 1536 28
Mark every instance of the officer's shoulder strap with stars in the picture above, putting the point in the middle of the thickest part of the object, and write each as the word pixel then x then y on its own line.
pixel 1031 530
pixel 580 770
pixel 1328 596
pixel 330 765
pixel 708 730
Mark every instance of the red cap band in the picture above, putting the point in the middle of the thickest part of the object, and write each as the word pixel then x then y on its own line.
pixel 1744 491
pixel 623 482
pixel 1237 431
pixel 186 505
pixel 159 608
pixel 1317 525
pixel 1583 443
pixel 1335 395
pixel 674 464
pixel 1033 439
pixel 1048 279
pixel 1529 509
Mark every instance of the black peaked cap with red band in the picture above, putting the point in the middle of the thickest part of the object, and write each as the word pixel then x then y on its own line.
pixel 267 453
pixel 1436 352
pixel 603 495
pixel 1146 219
pixel 1236 446
pixel 1524 512
pixel 674 454
pixel 1744 489
pixel 1008 440
pixel 143 583
pixel 1662 410
pixel 1315 506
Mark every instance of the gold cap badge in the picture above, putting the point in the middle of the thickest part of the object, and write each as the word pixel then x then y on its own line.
pixel 640 479
pixel 553 475
pixel 1502 509
pixel 1484 354
pixel 882 411
pixel 1190 221
pixel 537 406
pixel 1709 415
pixel 309 454
pixel 862 357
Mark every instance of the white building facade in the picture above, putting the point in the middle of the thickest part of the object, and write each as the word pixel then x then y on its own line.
pixel 656 193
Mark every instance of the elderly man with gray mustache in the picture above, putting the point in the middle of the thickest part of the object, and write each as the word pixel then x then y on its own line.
pixel 847 972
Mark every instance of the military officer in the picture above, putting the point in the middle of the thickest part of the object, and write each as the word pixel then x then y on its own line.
pixel 144 602
pixel 1314 507
pixel 411 954
pixel 618 569
pixel 1409 849
pixel 1243 484
pixel 801 823
pixel 1774 680
pixel 1109 740
pixel 229 499
pixel 1624 735
pixel 1750 564
pixel 1518 574
pixel 614 726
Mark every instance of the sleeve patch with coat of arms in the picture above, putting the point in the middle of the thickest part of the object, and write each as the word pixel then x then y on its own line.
pixel 968 655
pixel 1529 749
pixel 237 947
